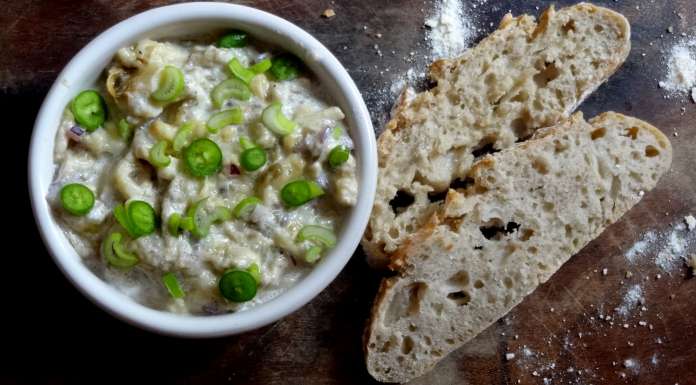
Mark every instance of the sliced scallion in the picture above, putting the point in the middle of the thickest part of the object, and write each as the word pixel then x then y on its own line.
pixel 318 235
pixel 171 85
pixel 172 284
pixel 158 154
pixel 230 88
pixel 274 119
pixel 245 207
pixel 225 118
pixel 240 71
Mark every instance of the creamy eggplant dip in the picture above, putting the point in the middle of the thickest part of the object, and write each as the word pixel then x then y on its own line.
pixel 201 177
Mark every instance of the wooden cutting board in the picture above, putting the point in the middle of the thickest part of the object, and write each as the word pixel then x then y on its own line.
pixel 559 335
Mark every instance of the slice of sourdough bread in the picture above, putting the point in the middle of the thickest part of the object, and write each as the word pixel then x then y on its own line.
pixel 522 77
pixel 529 209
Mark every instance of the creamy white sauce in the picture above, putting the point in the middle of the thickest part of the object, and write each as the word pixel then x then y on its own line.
pixel 118 172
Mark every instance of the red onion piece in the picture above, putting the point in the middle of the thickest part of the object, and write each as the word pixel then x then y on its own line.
pixel 75 133
pixel 234 170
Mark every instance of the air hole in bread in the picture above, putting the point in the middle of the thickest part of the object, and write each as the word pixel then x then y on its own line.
pixel 460 279
pixel 450 341
pixel 521 97
pixel 394 232
pixel 400 359
pixel 494 229
pixel 427 340
pixel 402 200
pixel 526 234
pixel 598 28
pixel 541 165
pixel 636 176
pixel 533 250
pixel 598 133
pixel 576 241
pixel 436 353
pixel 478 247
pixel 542 266
pixel 490 79
pixel 407 345
pixel 461 298
pixel 548 206
pixel 651 151
pixel 388 344
pixel 438 307
pixel 569 26
pixel 522 127
pixel 508 282
pixel 568 231
pixel 547 73
pixel 632 133
pixel 478 284
pixel 559 146
pixel 485 147
pixel 412 327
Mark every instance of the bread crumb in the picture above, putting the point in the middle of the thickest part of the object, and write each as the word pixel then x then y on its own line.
pixel 681 68
pixel 605 271
pixel 509 356
pixel 690 221
pixel 328 13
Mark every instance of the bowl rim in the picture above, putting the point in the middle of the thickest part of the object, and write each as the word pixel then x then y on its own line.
pixel 122 306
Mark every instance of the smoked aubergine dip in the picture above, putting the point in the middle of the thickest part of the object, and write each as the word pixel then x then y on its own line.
pixel 203 176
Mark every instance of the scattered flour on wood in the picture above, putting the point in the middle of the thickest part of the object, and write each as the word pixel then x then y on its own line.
pixel 450 29
pixel 681 68
pixel 631 300
pixel 667 249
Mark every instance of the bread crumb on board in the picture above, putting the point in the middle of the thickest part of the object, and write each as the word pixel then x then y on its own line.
pixel 690 222
pixel 328 13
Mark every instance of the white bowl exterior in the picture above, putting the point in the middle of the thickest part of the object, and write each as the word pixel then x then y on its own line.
pixel 189 19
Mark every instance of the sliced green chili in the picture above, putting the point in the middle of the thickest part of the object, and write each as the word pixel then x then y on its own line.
pixel 172 284
pixel 252 159
pixel 274 119
pixel 158 154
pixel 203 157
pixel 230 88
pixel 237 286
pixel 142 217
pixel 77 199
pixel 89 110
pixel 338 156
pixel 245 143
pixel 286 66
pixel 171 85
pixel 299 192
pixel 225 118
pixel 234 39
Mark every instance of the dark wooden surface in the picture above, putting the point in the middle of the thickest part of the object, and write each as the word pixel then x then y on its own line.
pixel 53 335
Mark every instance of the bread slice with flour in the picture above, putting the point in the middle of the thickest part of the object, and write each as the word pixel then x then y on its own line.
pixel 528 209
pixel 524 76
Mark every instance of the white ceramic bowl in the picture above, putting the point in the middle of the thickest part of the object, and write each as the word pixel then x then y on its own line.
pixel 190 19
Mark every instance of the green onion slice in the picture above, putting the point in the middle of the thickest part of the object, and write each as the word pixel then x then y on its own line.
pixel 237 286
pixel 125 131
pixel 239 71
pixel 201 224
pixel 252 159
pixel 203 157
pixel 173 224
pixel 186 223
pixel 262 66
pixel 89 110
pixel 225 118
pixel 158 154
pixel 313 254
pixel 234 39
pixel 245 143
pixel 77 199
pixel 338 156
pixel 255 272
pixel 182 137
pixel 172 284
pixel 299 192
pixel 318 235
pixel 122 218
pixel 230 88
pixel 274 119
pixel 337 132
pixel 114 253
pixel 286 66
pixel 171 85
pixel 245 207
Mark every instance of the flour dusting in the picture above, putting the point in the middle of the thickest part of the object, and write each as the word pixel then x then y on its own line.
pixel 681 67
pixel 631 300
pixel 639 247
pixel 451 29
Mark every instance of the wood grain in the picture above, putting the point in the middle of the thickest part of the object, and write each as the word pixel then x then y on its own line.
pixel 53 335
